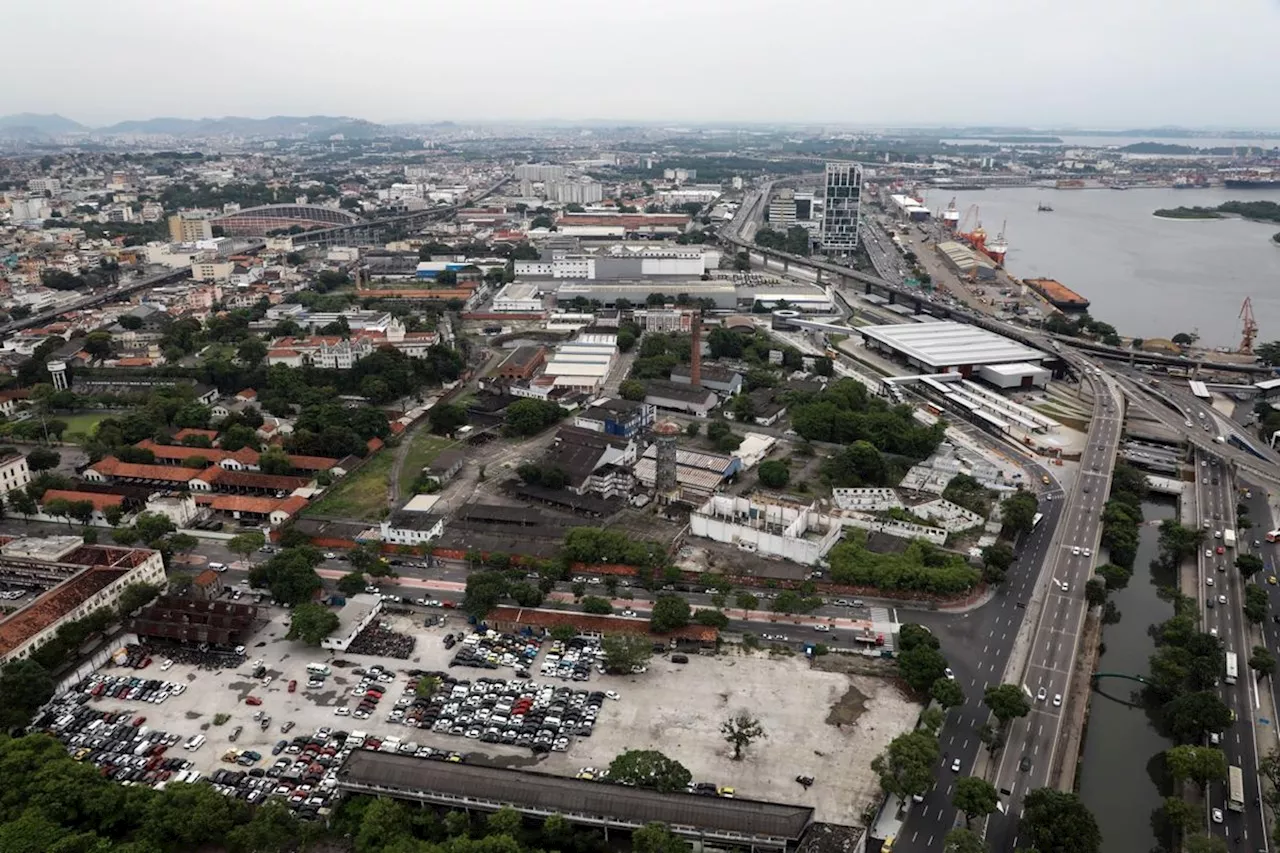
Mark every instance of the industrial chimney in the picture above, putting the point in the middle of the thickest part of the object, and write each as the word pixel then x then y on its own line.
pixel 695 354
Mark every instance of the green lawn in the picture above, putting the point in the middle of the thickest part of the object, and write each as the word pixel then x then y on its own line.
pixel 78 426
pixel 362 495
pixel 423 449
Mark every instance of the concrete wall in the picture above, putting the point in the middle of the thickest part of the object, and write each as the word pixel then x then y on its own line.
pixel 951 517
pixel 866 500
pixel 732 521
pixel 901 529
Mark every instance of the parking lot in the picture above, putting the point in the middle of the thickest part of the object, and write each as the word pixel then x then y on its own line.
pixel 674 708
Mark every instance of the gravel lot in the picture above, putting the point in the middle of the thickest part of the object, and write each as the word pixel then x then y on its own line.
pixel 674 708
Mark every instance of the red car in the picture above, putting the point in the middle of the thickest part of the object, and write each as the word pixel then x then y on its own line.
pixel 139 721
pixel 1221 550
pixel 252 700
pixel 293 685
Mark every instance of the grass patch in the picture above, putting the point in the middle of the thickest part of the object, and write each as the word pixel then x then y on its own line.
pixel 423 449
pixel 362 495
pixel 79 426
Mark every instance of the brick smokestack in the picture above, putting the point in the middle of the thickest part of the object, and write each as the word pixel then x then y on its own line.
pixel 695 354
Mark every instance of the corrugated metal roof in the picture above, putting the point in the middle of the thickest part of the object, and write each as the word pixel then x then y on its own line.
pixel 950 344
pixel 557 795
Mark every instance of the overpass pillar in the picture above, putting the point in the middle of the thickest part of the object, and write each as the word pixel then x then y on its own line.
pixel 893 298
pixel 786 264
pixel 867 288
pixel 818 278
pixel 916 306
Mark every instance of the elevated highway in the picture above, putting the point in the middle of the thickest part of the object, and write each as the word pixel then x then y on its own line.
pixel 111 294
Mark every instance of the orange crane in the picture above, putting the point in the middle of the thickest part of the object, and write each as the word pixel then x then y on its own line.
pixel 1250 327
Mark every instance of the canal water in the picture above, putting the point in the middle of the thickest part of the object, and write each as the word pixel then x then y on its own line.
pixel 1148 277
pixel 1121 764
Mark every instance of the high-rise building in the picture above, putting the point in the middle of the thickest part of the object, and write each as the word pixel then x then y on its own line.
pixel 185 228
pixel 782 209
pixel 841 191
pixel 539 172
pixel 584 191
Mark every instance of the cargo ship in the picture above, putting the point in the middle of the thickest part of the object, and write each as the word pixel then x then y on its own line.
pixel 951 216
pixel 1057 294
pixel 1253 181
pixel 997 248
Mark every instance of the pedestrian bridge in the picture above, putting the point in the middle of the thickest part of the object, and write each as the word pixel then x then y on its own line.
pixel 1098 676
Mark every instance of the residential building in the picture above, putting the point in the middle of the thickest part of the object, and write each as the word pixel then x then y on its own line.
pixel 10 400
pixel 411 528
pixel 207 270
pixel 539 172
pixel 782 209
pixel 14 473
pixel 446 464
pixel 581 191
pixel 94 576
pixel 189 228
pixel 206 586
pixel 842 190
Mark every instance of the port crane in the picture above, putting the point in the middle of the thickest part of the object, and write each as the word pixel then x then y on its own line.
pixel 1249 329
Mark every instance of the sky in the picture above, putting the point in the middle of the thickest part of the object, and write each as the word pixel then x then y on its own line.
pixel 1039 63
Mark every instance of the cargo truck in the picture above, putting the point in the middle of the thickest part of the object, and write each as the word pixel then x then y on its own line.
pixel 1229 538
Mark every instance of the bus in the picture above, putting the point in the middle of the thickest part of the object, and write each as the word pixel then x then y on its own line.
pixel 1233 668
pixel 1273 535
pixel 1035 519
pixel 1235 789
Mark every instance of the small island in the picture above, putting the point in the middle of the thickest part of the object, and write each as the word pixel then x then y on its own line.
pixel 1255 211
pixel 1276 238
pixel 1188 213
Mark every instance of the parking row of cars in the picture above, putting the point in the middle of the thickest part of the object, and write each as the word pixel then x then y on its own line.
pixel 492 649
pixel 129 688
pixel 573 660
pixel 493 710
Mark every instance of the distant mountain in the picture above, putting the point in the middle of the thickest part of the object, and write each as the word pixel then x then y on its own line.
pixel 316 126
pixel 40 124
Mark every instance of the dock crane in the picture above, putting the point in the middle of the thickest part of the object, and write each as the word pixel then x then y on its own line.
pixel 1249 329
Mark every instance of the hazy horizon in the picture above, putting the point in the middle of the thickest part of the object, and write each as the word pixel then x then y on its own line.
pixel 852 63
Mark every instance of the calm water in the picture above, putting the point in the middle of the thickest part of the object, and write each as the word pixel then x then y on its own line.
pixel 1148 277
pixel 1121 749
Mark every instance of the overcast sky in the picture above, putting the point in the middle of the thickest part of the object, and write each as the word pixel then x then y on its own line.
pixel 1096 63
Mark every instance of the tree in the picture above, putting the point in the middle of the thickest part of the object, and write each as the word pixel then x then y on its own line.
pixel 23 504
pixel 352 583
pixel 1255 603
pixel 906 766
pixel 746 601
pixel 43 459
pixel 991 737
pixel 947 693
pixel 528 416
pixel 596 605
pixel 294 584
pixel 273 827
pixel 180 583
pixel 921 666
pixel 911 635
pixel 656 838
pixel 774 474
pixel 24 686
pixel 631 389
pixel 136 595
pixel 505 821
pixel 670 613
pixel 81 511
pixel 1057 822
pixel 1095 592
pixel 974 796
pixel 1262 662
pixel 276 462
pixel 996 560
pixel 311 623
pixel 1018 511
pixel 1117 577
pixel 98 345
pixel 1200 764
pixel 1006 702
pixel 113 514
pixel 1206 844
pixel 251 352
pixel 1249 565
pixel 964 840
pixel 1188 718
pixel 623 653
pixel 1180 818
pixel 484 591
pixel 246 544
pixel 740 731
pixel 648 768
pixel 182 543
pixel 711 618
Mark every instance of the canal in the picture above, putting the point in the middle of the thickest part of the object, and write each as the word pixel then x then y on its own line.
pixel 1121 765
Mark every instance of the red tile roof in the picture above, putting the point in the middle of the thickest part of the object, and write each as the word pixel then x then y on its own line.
pixel 99 501
pixel 110 466
pixel 54 605
pixel 243 503
pixel 206 578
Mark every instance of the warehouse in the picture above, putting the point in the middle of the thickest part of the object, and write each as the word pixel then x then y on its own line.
pixel 1018 374
pixel 947 347
pixel 963 261
pixel 723 294
pixel 581 365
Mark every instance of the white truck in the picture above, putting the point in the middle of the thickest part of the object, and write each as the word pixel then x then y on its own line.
pixel 1229 538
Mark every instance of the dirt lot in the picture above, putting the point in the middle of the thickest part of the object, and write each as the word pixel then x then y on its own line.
pixel 823 724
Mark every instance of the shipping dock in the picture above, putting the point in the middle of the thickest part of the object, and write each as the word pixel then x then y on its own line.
pixel 1057 294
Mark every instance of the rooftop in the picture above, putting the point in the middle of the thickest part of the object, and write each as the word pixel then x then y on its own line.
pixel 53 605
pixel 402 520
pixel 949 344
pixel 678 392
pixel 544 793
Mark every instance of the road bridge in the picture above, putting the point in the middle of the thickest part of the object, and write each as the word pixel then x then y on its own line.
pixel 112 294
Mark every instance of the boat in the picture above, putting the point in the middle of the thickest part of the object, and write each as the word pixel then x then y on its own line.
pixel 1057 294
pixel 1252 183
pixel 997 248
pixel 951 216
pixel 1044 208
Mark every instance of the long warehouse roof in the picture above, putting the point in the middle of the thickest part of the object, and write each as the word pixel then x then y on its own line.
pixel 949 344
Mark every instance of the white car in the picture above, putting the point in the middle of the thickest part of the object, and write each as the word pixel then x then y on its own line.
pixel 612 694
pixel 955 766
pixel 1041 694
pixel 1208 552
pixel 1208 581
pixel 1222 599
pixel 1057 700
pixel 167 665
pixel 822 627
pixel 951 676
pixel 266 680
pixel 218 567
pixel 342 712
pixel 1087 552
pixel 1213 632
pixel 1075 552
pixel 1217 815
